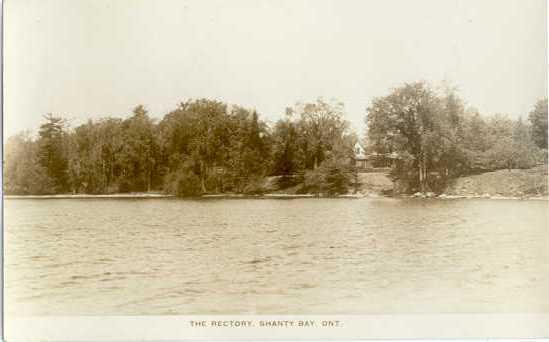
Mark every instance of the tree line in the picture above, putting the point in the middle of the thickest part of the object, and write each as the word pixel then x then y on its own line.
pixel 202 146
pixel 437 139
pixel 208 146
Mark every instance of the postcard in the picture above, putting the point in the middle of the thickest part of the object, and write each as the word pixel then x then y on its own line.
pixel 270 170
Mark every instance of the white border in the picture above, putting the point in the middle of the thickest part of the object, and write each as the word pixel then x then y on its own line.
pixel 162 328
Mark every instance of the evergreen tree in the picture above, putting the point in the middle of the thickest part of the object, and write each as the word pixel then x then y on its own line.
pixel 138 155
pixel 52 153
pixel 538 120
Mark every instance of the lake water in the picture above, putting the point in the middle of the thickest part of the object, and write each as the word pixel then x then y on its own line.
pixel 301 256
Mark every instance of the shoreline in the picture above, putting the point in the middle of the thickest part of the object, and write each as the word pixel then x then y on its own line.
pixel 278 196
pixel 77 196
pixel 484 196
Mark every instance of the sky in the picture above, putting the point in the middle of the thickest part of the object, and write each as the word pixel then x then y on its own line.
pixel 84 59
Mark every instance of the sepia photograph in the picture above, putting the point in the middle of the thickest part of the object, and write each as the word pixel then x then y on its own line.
pixel 275 169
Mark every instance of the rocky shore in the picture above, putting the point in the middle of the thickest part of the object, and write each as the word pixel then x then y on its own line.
pixel 526 184
pixel 502 184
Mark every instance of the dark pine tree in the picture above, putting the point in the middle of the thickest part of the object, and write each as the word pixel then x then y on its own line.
pixel 51 152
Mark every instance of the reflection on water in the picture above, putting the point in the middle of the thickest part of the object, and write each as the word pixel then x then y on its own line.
pixel 303 256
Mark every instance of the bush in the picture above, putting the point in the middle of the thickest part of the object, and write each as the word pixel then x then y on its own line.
pixel 511 155
pixel 541 156
pixel 313 182
pixel 255 186
pixel 338 180
pixel 124 186
pixel 331 178
pixel 182 183
pixel 29 182
pixel 287 181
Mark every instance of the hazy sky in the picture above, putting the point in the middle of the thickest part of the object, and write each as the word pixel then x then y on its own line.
pixel 87 59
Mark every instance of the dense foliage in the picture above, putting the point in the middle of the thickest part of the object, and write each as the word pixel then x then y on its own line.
pixel 436 139
pixel 538 120
pixel 202 146
pixel 206 146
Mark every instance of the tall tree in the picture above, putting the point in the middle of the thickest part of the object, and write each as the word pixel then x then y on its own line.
pixel 321 126
pixel 538 120
pixel 139 152
pixel 406 122
pixel 93 154
pixel 23 174
pixel 286 154
pixel 52 153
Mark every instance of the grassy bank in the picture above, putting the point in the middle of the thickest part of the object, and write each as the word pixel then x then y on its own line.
pixel 516 183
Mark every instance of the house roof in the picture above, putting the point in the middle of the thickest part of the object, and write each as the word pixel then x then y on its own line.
pixel 360 154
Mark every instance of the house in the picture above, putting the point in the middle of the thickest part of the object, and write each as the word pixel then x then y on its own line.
pixel 360 159
pixel 373 162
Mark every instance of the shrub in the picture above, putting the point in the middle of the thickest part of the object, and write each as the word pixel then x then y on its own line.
pixel 337 180
pixel 124 186
pixel 255 186
pixel 313 182
pixel 287 181
pixel 332 178
pixel 182 183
